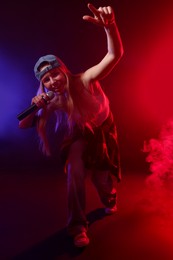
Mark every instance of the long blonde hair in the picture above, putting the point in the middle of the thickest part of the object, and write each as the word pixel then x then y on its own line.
pixel 62 106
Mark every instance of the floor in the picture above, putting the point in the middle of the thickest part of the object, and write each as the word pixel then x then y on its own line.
pixel 33 218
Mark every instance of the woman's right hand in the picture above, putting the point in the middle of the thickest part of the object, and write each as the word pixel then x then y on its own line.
pixel 40 100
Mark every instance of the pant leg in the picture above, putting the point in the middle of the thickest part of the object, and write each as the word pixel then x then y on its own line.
pixel 76 196
pixel 104 183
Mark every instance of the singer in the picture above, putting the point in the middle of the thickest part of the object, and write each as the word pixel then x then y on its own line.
pixel 91 142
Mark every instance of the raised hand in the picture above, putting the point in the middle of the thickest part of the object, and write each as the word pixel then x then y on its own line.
pixel 103 16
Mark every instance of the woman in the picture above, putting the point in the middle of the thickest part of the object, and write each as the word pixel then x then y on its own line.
pixel 91 142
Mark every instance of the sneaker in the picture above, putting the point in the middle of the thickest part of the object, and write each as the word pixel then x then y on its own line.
pixel 81 239
pixel 110 211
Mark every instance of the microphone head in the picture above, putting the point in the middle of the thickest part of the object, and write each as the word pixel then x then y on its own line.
pixel 50 94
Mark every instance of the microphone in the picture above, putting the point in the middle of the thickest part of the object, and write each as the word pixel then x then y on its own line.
pixel 33 107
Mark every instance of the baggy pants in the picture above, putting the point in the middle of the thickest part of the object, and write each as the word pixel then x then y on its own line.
pixel 76 176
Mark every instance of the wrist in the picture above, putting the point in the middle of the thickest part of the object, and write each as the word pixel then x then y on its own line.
pixel 110 27
pixel 110 24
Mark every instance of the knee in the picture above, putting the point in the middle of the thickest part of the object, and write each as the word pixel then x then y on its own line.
pixel 75 168
pixel 71 168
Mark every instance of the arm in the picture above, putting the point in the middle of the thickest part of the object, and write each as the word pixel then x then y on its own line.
pixel 27 121
pixel 104 17
pixel 38 121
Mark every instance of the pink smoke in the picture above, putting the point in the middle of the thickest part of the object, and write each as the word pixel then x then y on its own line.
pixel 160 156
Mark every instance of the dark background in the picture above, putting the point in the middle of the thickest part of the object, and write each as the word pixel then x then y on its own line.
pixel 139 88
pixel 33 204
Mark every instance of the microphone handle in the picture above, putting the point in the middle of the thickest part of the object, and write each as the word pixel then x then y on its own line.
pixel 27 112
